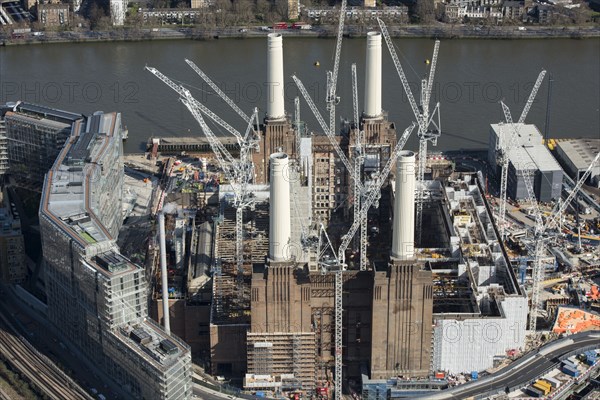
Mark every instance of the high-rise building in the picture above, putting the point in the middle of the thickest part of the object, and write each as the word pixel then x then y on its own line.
pixel 96 296
pixel 31 136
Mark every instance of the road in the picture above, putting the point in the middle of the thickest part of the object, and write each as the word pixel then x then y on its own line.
pixel 522 371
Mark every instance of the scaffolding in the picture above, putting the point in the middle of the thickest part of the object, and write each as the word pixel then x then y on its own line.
pixel 269 355
pixel 230 304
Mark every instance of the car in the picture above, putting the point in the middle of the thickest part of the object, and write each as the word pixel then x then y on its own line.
pixel 243 30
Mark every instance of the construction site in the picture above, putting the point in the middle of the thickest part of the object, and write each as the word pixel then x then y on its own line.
pixel 305 263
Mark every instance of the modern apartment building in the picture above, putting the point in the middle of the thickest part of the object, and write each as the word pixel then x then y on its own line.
pixel 96 296
pixel 31 136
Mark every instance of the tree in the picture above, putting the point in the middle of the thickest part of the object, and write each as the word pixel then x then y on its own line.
pixel 424 11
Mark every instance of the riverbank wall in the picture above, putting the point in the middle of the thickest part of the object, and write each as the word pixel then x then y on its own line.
pixel 440 31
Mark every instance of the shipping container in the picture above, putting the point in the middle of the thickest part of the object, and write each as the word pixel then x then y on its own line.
pixel 570 371
pixel 591 360
pixel 544 388
pixel 534 392
pixel 569 364
pixel 554 382
pixel 440 375
pixel 544 383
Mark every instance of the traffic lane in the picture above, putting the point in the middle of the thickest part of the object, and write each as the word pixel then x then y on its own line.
pixel 526 374
pixel 533 369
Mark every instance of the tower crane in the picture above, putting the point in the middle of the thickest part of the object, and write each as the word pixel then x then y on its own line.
pixel 239 172
pixel 331 101
pixel 326 129
pixel 540 244
pixel 428 121
pixel 540 228
pixel 359 155
pixel 218 91
pixel 504 147
pixel 371 193
pixel 299 129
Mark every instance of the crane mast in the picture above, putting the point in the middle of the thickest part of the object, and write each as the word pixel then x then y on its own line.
pixel 425 119
pixel 330 134
pixel 360 242
pixel 540 244
pixel 372 192
pixel 503 150
pixel 239 172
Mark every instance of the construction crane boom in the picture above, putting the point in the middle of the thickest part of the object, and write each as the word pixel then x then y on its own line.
pixel 332 100
pixel 373 191
pixel 556 215
pixel 504 149
pixel 218 91
pixel 183 92
pixel 538 269
pixel 330 134
pixel 358 160
pixel 401 74
pixel 433 65
pixel 532 95
pixel 338 50
pixel 424 119
pixel 239 172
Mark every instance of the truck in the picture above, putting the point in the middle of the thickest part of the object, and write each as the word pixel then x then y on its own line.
pixel 21 30
pixel 280 25
pixel 301 25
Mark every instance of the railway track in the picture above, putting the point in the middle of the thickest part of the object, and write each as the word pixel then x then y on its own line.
pixel 38 368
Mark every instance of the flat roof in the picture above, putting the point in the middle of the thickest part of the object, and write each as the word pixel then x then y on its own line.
pixel 528 147
pixel 33 119
pixel 65 196
pixel 581 152
pixel 47 112
pixel 152 343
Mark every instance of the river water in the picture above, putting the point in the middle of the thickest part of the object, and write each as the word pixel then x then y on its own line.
pixel 472 77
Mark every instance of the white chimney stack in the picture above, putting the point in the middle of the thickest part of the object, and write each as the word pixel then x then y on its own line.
pixel 280 232
pixel 373 76
pixel 275 98
pixel 403 241
pixel 163 271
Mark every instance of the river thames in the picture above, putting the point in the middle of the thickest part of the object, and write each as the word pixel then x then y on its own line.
pixel 472 77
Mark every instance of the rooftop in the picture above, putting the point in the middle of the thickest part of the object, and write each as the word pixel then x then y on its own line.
pixel 581 152
pixel 47 112
pixel 527 148
pixel 65 197
pixel 59 125
pixel 153 344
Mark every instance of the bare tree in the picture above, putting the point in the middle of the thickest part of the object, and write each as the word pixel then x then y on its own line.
pixel 424 11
